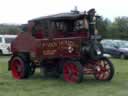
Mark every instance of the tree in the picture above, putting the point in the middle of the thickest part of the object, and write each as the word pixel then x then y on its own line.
pixel 103 26
pixel 9 29
pixel 119 28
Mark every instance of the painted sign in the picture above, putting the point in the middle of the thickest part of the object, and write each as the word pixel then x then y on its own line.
pixel 60 47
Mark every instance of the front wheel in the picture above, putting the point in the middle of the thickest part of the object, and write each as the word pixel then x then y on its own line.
pixel 72 72
pixel 104 70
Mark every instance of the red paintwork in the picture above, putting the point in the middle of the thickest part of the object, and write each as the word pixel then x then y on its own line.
pixel 23 43
pixel 26 43
pixel 39 35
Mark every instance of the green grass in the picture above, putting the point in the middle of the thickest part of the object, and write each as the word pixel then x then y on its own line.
pixel 36 86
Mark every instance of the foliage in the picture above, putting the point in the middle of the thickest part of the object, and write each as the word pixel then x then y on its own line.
pixel 103 26
pixel 118 29
pixel 9 29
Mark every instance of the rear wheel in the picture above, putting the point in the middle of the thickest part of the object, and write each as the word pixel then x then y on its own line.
pixel 19 68
pixel 72 72
pixel 104 70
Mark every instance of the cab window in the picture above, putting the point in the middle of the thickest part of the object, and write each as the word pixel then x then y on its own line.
pixel 40 30
pixel 60 28
pixel 68 28
pixel 81 25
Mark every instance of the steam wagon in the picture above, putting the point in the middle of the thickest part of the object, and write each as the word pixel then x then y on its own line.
pixel 65 44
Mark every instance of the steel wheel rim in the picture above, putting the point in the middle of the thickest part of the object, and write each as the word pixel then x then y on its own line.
pixel 103 70
pixel 71 73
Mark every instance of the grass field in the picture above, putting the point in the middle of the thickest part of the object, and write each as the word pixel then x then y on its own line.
pixel 36 86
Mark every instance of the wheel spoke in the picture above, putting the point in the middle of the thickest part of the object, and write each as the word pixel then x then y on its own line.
pixel 106 74
pixel 74 70
pixel 102 63
pixel 101 76
pixel 74 77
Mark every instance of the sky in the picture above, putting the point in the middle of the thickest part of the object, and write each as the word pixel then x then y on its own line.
pixel 20 11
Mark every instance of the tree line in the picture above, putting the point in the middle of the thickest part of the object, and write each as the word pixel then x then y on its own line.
pixel 10 29
pixel 117 29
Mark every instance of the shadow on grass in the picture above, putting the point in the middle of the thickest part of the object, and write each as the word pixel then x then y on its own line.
pixel 88 80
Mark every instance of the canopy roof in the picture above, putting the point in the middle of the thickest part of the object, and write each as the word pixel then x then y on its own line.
pixel 61 16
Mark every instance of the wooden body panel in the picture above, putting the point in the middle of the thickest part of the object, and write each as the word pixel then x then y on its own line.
pixel 61 47
pixel 47 48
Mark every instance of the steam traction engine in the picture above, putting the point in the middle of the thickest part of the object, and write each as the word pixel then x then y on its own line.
pixel 62 44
